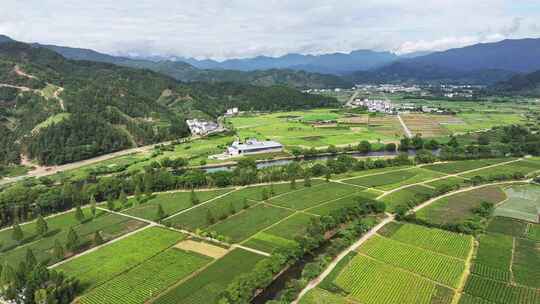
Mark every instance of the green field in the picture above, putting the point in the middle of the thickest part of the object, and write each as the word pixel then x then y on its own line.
pixel 296 129
pixel 348 201
pixel 100 266
pixel 507 226
pixel 460 206
pixel 170 202
pixel 464 165
pixel 313 196
pixel 371 282
pixel 291 227
pixel 206 286
pixel 248 222
pixel 436 240
pixel 525 263
pixel 393 180
pixel 522 167
pixel 109 225
pixel 523 203
pixel 440 268
pixel 222 207
pixel 500 292
pixel 321 296
pixel 148 279
pixel 409 196
pixel 268 242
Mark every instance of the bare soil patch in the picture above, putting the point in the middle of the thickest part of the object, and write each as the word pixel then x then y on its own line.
pixel 202 248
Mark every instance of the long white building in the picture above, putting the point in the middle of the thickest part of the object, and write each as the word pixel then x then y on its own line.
pixel 253 146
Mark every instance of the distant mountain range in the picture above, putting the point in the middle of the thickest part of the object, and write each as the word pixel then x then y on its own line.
pixel 487 63
pixel 522 84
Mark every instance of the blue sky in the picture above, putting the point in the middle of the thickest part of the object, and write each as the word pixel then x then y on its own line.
pixel 245 28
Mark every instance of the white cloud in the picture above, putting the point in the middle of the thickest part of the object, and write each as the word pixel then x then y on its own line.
pixel 243 28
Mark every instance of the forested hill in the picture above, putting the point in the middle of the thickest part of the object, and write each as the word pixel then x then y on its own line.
pixel 57 110
pixel 182 71
pixel 524 84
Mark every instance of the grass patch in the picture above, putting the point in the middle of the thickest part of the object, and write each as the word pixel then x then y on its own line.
pixel 393 180
pixel 464 165
pixel 523 203
pixel 507 226
pixel 410 196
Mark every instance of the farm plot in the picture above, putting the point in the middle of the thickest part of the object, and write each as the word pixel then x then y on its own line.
pixel 507 226
pixel 141 283
pixel 372 282
pixel 223 207
pixel 248 222
pixel 481 120
pixel 321 296
pixel 500 292
pixel 350 174
pixel 206 286
pixel 526 263
pixel 451 182
pixel 300 128
pixel 495 250
pixel 458 207
pixel 388 125
pixel 393 180
pixel 268 242
pixel 465 165
pixel 523 167
pixel 291 227
pixel 170 202
pixel 523 203
pixel 348 201
pixel 313 196
pixel 440 268
pixel 109 225
pixel 427 125
pixel 533 233
pixel 436 240
pixel 409 196
pixel 100 266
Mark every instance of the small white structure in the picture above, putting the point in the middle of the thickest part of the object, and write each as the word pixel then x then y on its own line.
pixel 202 127
pixel 253 146
pixel 231 112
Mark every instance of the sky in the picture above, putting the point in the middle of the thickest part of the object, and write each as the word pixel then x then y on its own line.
pixel 224 29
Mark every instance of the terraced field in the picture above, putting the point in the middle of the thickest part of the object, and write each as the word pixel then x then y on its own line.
pixel 310 197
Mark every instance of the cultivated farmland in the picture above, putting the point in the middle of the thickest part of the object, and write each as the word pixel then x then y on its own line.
pixel 392 180
pixel 119 257
pixel 523 203
pixel 205 287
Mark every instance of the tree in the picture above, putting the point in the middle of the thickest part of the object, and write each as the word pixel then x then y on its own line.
pixel 8 276
pixel 93 206
pixel 30 258
pixel 41 226
pixel 123 198
pixel 110 203
pixel 209 217
pixel 245 204
pixel 307 180
pixel 293 183
pixel 272 190
pixel 138 193
pixel 232 211
pixel 327 176
pixel 160 212
pixel 390 147
pixel 404 144
pixel 264 194
pixel 193 198
pixel 17 234
pixel 73 240
pixel 98 240
pixel 364 147
pixel 417 141
pixel 79 215
pixel 58 250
